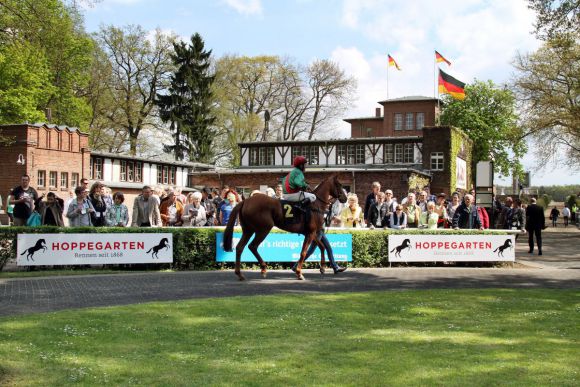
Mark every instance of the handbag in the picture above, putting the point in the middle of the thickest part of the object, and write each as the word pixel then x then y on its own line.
pixel 34 219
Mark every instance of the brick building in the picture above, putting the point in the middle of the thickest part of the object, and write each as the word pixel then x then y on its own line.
pixel 399 146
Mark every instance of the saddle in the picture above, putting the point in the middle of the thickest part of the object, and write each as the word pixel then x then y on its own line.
pixel 296 212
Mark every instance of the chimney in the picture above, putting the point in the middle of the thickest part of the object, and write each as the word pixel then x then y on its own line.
pixel 377 112
pixel 48 115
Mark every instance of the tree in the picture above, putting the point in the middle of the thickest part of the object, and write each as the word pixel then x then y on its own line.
pixel 52 35
pixel 547 87
pixel 487 115
pixel 187 106
pixel 139 69
pixel 556 18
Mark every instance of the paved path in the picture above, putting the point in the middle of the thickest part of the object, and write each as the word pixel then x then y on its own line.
pixel 557 268
pixel 44 294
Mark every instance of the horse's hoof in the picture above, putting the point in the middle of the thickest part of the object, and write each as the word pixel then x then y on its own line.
pixel 264 274
pixel 300 277
pixel 322 271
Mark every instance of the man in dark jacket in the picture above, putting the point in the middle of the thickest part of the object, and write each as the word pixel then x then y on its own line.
pixel 371 199
pixel 466 216
pixel 535 223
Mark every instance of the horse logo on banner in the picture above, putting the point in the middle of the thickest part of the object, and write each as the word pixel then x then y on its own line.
pixel 40 245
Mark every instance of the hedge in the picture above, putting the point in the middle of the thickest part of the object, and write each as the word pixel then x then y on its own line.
pixel 194 248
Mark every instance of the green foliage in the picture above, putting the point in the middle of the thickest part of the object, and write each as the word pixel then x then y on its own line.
pixel 194 248
pixel 188 104
pixel 559 193
pixel 544 200
pixel 556 17
pixel 459 337
pixel 488 116
pixel 572 201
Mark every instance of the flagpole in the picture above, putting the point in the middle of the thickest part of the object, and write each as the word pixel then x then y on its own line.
pixel 388 65
pixel 434 75
pixel 437 119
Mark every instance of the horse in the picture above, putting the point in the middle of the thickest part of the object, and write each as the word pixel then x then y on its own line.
pixel 405 245
pixel 40 245
pixel 507 244
pixel 260 213
pixel 162 245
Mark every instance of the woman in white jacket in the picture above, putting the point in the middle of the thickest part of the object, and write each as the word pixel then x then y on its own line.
pixel 194 213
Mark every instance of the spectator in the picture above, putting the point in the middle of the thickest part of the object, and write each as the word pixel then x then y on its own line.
pixel 574 211
pixel 429 218
pixel 566 215
pixel 554 215
pixel 217 203
pixel 67 202
pixel 194 214
pixel 118 214
pixel 535 223
pixel 440 209
pixel 335 211
pixel 378 212
pixel 50 211
pixel 483 216
pixel 352 215
pixel 171 210
pixel 179 195
pixel 466 216
pixel 391 204
pixel 208 206
pixel 85 183
pixel 227 206
pixel 146 210
pixel 504 215
pixel 80 210
pixel 517 219
pixel 398 218
pixel 107 196
pixel 371 199
pixel 10 208
pixel 158 194
pixel 412 211
pixel 279 192
pixel 99 204
pixel 422 201
pixel 23 198
pixel 452 206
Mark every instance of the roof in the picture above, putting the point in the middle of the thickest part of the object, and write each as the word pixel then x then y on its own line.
pixel 364 118
pixel 411 98
pixel 333 141
pixel 158 160
pixel 61 128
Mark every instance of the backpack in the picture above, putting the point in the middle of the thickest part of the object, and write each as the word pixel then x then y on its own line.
pixel 34 219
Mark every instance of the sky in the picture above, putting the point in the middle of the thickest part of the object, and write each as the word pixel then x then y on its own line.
pixel 479 37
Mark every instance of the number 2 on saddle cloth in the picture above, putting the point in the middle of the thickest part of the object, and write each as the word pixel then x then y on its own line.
pixel 294 213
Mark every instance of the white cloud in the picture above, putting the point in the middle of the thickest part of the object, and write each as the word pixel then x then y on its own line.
pixel 246 7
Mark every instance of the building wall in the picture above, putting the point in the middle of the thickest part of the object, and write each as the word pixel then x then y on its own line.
pixel 428 107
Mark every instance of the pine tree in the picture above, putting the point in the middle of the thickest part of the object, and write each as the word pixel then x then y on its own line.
pixel 188 105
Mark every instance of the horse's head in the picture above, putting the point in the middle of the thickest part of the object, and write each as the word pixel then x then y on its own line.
pixel 337 191
pixel 41 243
pixel 163 242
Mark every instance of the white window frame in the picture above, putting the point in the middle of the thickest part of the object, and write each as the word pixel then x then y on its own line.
pixel 420 122
pixel 437 161
pixel 409 121
pixel 398 121
pixel 408 153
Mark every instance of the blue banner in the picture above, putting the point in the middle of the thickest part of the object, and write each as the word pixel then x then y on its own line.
pixel 284 248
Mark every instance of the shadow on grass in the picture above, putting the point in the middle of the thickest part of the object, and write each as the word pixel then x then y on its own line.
pixel 451 337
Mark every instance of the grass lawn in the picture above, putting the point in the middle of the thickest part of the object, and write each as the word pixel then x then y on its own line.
pixel 436 337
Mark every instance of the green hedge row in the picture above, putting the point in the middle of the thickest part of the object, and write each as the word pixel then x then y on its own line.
pixel 194 248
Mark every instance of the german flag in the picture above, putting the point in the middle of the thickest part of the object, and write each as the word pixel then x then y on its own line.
pixel 393 63
pixel 450 85
pixel 441 58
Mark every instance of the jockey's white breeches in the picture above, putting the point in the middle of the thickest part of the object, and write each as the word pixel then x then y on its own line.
pixel 299 196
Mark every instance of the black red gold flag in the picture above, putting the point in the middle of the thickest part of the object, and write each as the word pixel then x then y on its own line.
pixel 441 58
pixel 450 85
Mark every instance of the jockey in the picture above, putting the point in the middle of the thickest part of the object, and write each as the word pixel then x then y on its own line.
pixel 294 184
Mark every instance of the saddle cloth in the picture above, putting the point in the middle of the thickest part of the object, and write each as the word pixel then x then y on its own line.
pixel 292 212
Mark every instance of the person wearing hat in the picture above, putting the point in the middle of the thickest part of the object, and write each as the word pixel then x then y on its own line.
pixel 294 183
pixel 440 209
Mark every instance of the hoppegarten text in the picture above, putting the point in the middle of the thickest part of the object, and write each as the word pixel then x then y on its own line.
pixel 453 245
pixel 97 246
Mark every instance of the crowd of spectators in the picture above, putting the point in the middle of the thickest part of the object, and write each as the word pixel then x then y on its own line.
pixel 98 206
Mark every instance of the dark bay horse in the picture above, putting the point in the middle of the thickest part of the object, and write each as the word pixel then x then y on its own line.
pixel 259 213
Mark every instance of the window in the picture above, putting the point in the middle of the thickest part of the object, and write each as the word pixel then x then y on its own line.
pixel 123 174
pixel 52 176
pixel 172 175
pixel 159 174
pixel 74 180
pixel 420 121
pixel 408 153
pixel 350 154
pixel 437 161
pixel 165 174
pixel 308 151
pixel 398 121
pixel 130 171
pixel 360 154
pixel 41 180
pixel 388 157
pixel 340 154
pixel 96 168
pixel 398 153
pixel 64 180
pixel 409 121
pixel 262 156
pixel 138 171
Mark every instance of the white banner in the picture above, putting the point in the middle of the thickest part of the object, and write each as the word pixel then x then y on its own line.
pixel 93 249
pixel 454 248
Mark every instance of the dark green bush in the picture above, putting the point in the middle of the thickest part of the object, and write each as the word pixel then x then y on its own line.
pixel 194 248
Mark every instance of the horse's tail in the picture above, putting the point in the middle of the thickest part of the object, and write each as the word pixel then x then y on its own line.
pixel 229 231
pixel 148 251
pixel 496 249
pixel 393 249
pixel 24 252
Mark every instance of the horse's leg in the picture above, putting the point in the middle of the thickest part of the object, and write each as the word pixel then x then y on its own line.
pixel 239 248
pixel 307 241
pixel 253 246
